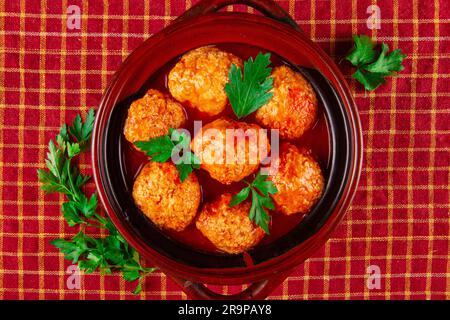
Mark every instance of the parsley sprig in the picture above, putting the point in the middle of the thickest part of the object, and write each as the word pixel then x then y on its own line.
pixel 261 189
pixel 175 146
pixel 250 90
pixel 108 254
pixel 373 66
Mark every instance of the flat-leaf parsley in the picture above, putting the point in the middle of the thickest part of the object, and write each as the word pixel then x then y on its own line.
pixel 175 146
pixel 108 254
pixel 373 66
pixel 260 189
pixel 250 90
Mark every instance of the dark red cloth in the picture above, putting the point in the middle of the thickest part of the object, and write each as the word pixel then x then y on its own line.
pixel 399 220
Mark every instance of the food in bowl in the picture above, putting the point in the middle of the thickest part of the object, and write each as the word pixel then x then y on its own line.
pixel 208 194
pixel 228 228
pixel 199 78
pixel 152 116
pixel 293 107
pixel 223 158
pixel 163 198
pixel 189 257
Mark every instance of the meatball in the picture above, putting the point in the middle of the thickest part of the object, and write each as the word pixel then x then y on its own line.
pixel 230 150
pixel 293 107
pixel 229 228
pixel 163 198
pixel 298 179
pixel 152 116
pixel 199 78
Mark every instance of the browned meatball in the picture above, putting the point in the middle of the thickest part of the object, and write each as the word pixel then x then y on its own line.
pixel 152 116
pixel 298 179
pixel 229 228
pixel 163 198
pixel 225 158
pixel 200 76
pixel 293 107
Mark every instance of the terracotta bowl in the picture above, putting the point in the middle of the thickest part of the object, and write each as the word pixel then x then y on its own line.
pixel 265 266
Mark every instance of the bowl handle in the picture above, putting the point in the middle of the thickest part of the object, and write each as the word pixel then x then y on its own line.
pixel 255 291
pixel 268 7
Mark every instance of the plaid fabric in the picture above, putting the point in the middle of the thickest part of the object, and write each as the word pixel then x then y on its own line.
pixel 399 220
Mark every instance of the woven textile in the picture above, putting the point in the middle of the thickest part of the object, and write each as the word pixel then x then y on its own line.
pixel 399 220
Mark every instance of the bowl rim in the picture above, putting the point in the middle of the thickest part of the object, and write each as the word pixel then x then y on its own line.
pixel 287 260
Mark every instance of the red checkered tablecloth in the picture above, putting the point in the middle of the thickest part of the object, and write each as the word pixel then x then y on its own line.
pixel 399 220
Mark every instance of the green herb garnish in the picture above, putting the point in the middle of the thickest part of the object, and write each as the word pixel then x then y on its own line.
pixel 108 254
pixel 261 189
pixel 175 146
pixel 250 90
pixel 82 131
pixel 373 66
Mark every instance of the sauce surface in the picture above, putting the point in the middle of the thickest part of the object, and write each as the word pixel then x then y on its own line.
pixel 315 139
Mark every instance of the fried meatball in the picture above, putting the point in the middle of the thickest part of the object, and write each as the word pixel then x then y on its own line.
pixel 199 78
pixel 293 107
pixel 152 116
pixel 298 179
pixel 163 198
pixel 229 228
pixel 230 150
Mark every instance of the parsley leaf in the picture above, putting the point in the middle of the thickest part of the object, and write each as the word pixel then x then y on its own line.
pixel 82 131
pixel 175 146
pixel 70 213
pixel 373 66
pixel 185 169
pixel 85 206
pixel 159 149
pixel 363 52
pixel 108 254
pixel 387 64
pixel 261 189
pixel 370 81
pixel 138 289
pixel 72 251
pixel 240 197
pixel 250 90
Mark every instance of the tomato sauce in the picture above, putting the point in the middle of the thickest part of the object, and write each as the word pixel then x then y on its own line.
pixel 316 139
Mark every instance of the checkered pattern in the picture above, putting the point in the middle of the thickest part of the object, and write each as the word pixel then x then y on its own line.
pixel 399 219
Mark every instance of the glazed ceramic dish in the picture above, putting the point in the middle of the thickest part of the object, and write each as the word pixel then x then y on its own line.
pixel 268 263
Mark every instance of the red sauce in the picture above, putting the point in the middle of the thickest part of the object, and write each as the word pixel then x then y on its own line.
pixel 316 139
